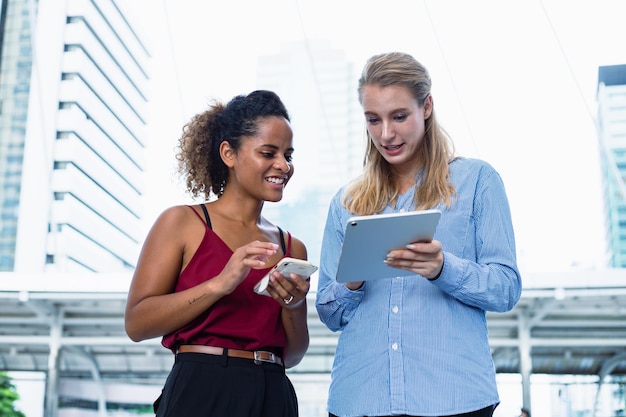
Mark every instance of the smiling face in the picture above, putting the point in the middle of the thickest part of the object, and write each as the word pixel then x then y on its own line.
pixel 396 124
pixel 262 165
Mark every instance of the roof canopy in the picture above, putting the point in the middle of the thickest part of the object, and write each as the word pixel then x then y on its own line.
pixel 572 322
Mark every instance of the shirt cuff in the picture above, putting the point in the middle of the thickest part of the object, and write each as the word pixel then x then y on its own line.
pixel 450 277
pixel 351 296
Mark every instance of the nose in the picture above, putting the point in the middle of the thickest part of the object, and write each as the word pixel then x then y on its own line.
pixel 283 164
pixel 386 131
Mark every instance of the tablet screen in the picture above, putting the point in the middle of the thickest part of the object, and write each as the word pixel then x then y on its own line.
pixel 368 240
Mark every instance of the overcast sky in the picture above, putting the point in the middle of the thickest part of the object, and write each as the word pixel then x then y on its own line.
pixel 514 84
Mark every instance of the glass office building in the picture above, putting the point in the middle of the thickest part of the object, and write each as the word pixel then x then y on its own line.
pixel 611 97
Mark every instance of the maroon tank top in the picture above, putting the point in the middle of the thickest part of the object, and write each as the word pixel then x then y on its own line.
pixel 239 320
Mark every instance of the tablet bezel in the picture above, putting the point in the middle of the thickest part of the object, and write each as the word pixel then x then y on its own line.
pixel 368 240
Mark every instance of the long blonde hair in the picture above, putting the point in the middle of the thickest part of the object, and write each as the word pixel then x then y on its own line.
pixel 377 186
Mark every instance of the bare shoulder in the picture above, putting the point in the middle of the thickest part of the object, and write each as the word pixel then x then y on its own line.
pixel 177 215
pixel 176 219
pixel 172 240
pixel 298 248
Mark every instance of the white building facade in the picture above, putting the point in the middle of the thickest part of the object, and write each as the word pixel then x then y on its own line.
pixel 74 81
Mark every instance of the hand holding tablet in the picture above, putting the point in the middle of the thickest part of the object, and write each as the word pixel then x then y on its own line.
pixel 368 240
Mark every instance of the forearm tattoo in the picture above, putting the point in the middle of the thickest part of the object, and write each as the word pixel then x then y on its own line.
pixel 195 300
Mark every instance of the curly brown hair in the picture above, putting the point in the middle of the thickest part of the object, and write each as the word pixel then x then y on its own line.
pixel 198 154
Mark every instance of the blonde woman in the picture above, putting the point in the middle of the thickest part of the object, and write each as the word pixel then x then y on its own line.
pixel 417 345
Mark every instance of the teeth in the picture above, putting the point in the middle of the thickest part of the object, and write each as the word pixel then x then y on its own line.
pixel 276 180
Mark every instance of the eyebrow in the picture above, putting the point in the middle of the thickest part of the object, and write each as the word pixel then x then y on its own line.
pixel 392 112
pixel 274 147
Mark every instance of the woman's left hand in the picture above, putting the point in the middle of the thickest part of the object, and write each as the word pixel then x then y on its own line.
pixel 289 292
pixel 425 259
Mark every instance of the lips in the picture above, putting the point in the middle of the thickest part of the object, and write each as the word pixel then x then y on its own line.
pixel 276 180
pixel 393 149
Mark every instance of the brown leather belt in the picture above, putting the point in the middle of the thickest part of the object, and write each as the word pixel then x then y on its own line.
pixel 257 356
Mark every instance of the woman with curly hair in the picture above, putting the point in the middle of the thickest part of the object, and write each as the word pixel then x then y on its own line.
pixel 193 285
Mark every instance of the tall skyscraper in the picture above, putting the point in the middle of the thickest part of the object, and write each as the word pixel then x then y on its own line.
pixel 611 96
pixel 319 87
pixel 73 108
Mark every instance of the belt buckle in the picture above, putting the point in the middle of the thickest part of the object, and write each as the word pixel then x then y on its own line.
pixel 258 359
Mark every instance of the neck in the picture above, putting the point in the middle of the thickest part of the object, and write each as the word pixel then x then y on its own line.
pixel 239 210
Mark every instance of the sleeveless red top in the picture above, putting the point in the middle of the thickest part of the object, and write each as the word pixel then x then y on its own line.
pixel 240 320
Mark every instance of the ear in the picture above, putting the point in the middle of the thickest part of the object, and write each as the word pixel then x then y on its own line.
pixel 227 154
pixel 428 107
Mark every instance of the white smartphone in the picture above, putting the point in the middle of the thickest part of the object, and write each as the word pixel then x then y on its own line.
pixel 286 266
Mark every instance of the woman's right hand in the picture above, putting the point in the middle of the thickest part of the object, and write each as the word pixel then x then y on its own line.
pixel 250 256
pixel 353 286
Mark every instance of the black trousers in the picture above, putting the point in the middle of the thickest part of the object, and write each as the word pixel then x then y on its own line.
pixel 202 385
pixel 485 412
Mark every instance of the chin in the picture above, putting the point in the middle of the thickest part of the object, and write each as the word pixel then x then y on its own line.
pixel 274 199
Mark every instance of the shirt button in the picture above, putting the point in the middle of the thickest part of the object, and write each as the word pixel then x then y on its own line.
pixel 395 309
pixel 394 346
pixel 402 210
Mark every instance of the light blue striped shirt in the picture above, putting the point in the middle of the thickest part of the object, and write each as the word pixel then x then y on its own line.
pixel 418 347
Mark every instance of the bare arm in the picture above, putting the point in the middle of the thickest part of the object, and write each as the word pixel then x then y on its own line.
pixel 153 309
pixel 294 313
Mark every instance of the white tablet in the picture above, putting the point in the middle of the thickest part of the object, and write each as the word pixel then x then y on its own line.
pixel 368 240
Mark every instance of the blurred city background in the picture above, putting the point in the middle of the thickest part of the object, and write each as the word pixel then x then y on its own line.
pixel 93 97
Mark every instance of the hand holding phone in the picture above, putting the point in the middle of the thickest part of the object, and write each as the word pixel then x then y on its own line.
pixel 286 267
